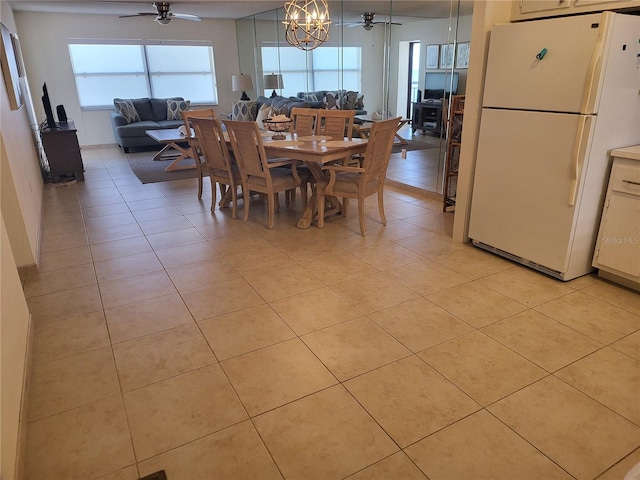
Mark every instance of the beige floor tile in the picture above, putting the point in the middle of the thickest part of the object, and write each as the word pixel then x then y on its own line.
pixel 476 304
pixel 621 469
pixel 219 299
pixel 610 377
pixel 123 267
pixel 53 243
pixel 283 282
pixel 309 249
pixel 472 262
pixel 354 347
pixel 181 409
pixel 106 221
pixel 147 316
pixel 187 254
pixel 398 229
pixel 374 292
pixel 262 260
pixel 339 267
pixel 175 238
pixel 578 433
pixel 526 286
pixel 429 244
pixel 156 214
pixel 134 289
pixel 206 272
pixel 591 316
pixel 410 400
pixel 481 447
pixel 629 345
pixel 90 212
pixel 420 324
pixel 161 355
pixel 311 311
pixel 64 258
pixel 233 453
pixel 120 248
pixel 233 238
pixel 128 473
pixel 167 224
pixel 86 442
pixel 481 367
pixel 628 300
pixel 149 203
pixel 63 338
pixel 426 277
pixel 275 375
pixel 387 255
pixel 303 435
pixel 59 280
pixel 70 303
pixel 395 466
pixel 546 342
pixel 111 234
pixel 71 382
pixel 244 331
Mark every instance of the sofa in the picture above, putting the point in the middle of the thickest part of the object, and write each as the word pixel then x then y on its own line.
pixel 335 99
pixel 134 116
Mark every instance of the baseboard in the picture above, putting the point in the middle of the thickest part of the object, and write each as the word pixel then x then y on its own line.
pixel 21 454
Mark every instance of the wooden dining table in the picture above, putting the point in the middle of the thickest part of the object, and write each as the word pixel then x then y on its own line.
pixel 314 151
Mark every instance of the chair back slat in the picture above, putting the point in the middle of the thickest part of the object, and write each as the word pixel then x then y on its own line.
pixel 335 123
pixel 381 138
pixel 248 150
pixel 210 138
pixel 187 115
pixel 304 120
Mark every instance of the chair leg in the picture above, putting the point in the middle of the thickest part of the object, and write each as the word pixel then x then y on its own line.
pixel 214 193
pixel 361 216
pixel 320 199
pixel 200 179
pixel 345 206
pixel 234 199
pixel 247 199
pixel 383 218
pixel 303 194
pixel 271 199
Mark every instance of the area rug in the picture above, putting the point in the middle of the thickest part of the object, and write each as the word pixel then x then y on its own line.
pixel 151 171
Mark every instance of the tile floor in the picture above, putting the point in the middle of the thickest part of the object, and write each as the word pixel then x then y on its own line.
pixel 167 337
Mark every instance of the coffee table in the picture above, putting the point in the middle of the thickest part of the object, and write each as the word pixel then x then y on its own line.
pixel 171 138
pixel 362 129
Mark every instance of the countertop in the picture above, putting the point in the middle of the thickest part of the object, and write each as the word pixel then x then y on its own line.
pixel 632 153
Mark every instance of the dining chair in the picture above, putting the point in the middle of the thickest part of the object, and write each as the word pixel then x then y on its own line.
pixel 217 161
pixel 304 124
pixel 335 123
pixel 257 173
pixel 361 182
pixel 187 115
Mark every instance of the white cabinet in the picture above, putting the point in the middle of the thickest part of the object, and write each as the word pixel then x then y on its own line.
pixel 617 253
pixel 531 9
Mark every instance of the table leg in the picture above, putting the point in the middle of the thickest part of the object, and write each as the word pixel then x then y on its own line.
pixel 180 155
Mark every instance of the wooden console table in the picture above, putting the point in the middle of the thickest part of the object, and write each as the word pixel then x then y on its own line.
pixel 62 150
pixel 427 116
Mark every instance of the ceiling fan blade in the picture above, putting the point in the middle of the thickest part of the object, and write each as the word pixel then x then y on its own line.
pixel 187 16
pixel 139 15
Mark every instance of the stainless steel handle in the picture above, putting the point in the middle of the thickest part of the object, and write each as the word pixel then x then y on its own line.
pixel 631 182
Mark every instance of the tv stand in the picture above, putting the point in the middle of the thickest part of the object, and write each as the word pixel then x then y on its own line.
pixel 63 151
pixel 427 116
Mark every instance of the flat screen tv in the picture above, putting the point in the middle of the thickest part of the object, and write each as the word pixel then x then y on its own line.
pixel 51 121
pixel 440 84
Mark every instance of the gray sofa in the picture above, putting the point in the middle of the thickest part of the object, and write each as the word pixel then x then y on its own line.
pixel 153 116
pixel 345 100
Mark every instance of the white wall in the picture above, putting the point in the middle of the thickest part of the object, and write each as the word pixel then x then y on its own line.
pixel 44 37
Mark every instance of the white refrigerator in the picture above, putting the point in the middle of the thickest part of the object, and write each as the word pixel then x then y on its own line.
pixel 559 95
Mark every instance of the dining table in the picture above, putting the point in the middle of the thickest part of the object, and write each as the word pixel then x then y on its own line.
pixel 315 151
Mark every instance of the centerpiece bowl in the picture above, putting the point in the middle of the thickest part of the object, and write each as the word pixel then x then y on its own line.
pixel 278 126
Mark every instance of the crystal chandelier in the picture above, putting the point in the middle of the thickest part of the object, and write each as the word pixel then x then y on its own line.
pixel 307 23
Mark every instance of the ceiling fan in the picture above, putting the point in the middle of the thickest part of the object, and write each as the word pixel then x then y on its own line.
pixel 164 15
pixel 367 22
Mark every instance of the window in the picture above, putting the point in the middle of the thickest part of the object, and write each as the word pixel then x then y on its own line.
pixel 326 68
pixel 127 70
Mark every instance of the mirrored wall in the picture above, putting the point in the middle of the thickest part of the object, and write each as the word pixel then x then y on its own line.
pixel 400 57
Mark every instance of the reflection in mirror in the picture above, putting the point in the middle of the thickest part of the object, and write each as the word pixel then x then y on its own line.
pixel 386 57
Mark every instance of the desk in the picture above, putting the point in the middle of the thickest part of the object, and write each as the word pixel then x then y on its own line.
pixel 314 153
pixel 362 129
pixel 171 138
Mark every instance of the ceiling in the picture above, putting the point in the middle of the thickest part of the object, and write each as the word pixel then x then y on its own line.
pixel 402 11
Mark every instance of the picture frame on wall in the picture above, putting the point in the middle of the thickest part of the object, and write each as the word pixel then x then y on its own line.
pixel 446 55
pixel 10 69
pixel 462 55
pixel 432 56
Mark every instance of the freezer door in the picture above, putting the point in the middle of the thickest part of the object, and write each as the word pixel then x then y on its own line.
pixel 524 184
pixel 549 65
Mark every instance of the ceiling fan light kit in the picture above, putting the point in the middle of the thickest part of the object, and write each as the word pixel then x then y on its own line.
pixel 307 23
pixel 164 16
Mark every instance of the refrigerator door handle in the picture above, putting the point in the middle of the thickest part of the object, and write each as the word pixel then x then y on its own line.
pixel 594 71
pixel 579 148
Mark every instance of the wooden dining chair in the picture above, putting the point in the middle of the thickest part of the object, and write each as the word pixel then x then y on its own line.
pixel 187 115
pixel 217 162
pixel 257 173
pixel 304 124
pixel 335 123
pixel 361 182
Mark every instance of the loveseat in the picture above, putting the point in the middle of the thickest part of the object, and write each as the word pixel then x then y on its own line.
pixel 136 115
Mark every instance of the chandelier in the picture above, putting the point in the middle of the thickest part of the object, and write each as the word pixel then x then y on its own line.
pixel 307 23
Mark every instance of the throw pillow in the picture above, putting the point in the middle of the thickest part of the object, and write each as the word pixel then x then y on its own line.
pixel 126 109
pixel 360 102
pixel 175 107
pixel 350 100
pixel 262 115
pixel 331 101
pixel 244 111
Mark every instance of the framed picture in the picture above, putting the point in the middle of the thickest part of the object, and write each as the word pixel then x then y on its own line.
pixel 446 56
pixel 462 56
pixel 10 69
pixel 433 52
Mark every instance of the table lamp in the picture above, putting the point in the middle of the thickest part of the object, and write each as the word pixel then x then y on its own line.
pixel 241 83
pixel 273 81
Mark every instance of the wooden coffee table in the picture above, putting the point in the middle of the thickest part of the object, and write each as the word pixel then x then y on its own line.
pixel 171 138
pixel 362 126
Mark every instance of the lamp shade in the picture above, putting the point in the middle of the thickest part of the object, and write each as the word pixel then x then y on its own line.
pixel 241 83
pixel 273 80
